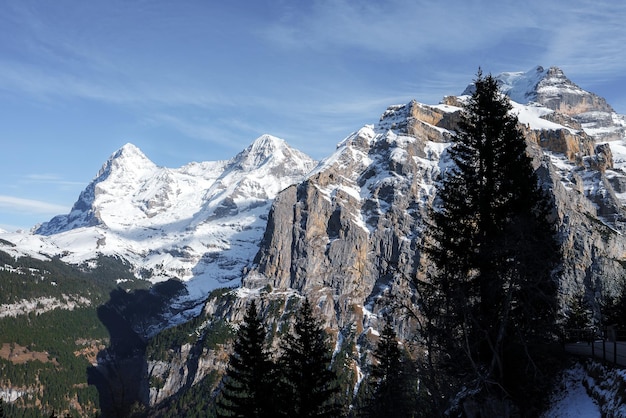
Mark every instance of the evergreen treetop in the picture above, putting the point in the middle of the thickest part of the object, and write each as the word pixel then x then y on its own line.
pixel 491 290
pixel 308 384
pixel 391 380
pixel 247 384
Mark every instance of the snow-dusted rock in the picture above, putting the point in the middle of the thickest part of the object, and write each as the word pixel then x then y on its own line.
pixel 201 223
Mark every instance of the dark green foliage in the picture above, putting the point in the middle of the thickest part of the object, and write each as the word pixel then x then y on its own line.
pixel 307 384
pixel 55 332
pixel 391 389
pixel 580 315
pixel 67 336
pixel 116 269
pixel 210 333
pixel 253 379
pixel 344 367
pixel 391 378
pixel 248 382
pixel 160 346
pixel 492 290
pixel 613 309
pixel 28 278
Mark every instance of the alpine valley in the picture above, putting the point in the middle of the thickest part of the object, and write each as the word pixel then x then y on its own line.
pixel 128 303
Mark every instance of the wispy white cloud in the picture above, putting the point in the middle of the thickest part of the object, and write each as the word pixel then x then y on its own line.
pixel 17 204
pixel 586 35
pixel 99 54
pixel 222 133
pixel 49 179
pixel 112 88
pixel 401 28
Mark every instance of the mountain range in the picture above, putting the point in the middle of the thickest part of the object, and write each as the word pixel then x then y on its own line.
pixel 273 224
pixel 200 223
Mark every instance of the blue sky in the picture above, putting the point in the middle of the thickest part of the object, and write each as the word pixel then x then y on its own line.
pixel 200 80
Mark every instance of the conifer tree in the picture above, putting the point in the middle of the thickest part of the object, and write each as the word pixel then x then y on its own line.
pixel 307 383
pixel 390 379
pixel 247 384
pixel 494 251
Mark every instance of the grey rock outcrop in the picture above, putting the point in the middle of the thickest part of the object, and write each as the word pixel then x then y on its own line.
pixel 348 236
pixel 557 92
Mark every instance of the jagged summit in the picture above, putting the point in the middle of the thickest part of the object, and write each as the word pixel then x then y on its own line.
pixel 268 150
pixel 522 87
pixel 550 88
pixel 129 150
pixel 128 161
pixel 123 169
pixel 201 221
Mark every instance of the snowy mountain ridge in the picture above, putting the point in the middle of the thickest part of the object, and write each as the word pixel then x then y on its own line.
pixel 346 232
pixel 199 223
pixel 203 223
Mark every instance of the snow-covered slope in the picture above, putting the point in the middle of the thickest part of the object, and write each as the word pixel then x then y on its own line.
pixel 200 223
pixel 349 233
pixel 203 222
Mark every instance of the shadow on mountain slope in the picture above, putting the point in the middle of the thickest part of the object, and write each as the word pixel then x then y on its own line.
pixel 121 375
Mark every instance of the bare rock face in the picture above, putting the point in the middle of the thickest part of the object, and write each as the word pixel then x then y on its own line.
pixel 319 237
pixel 557 92
pixel 574 145
pixel 348 236
pixel 418 120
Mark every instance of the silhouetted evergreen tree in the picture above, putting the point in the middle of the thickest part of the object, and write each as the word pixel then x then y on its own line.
pixel 580 315
pixel 307 383
pixel 491 292
pixel 613 309
pixel 247 390
pixel 391 381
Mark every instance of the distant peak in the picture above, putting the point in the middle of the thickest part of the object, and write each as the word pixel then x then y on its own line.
pixel 265 146
pixel 267 143
pixel 128 158
pixel 130 153
pixel 129 150
pixel 551 88
pixel 520 86
pixel 268 149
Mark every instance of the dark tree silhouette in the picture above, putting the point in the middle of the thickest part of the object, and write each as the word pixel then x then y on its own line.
pixel 247 389
pixel 391 379
pixel 307 385
pixel 491 291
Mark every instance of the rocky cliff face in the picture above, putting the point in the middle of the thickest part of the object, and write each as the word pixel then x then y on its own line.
pixel 348 236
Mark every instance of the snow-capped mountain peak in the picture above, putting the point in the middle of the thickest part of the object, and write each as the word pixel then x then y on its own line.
pixel 201 222
pixel 550 88
pixel 128 158
pixel 521 87
pixel 125 167
pixel 119 176
pixel 271 152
